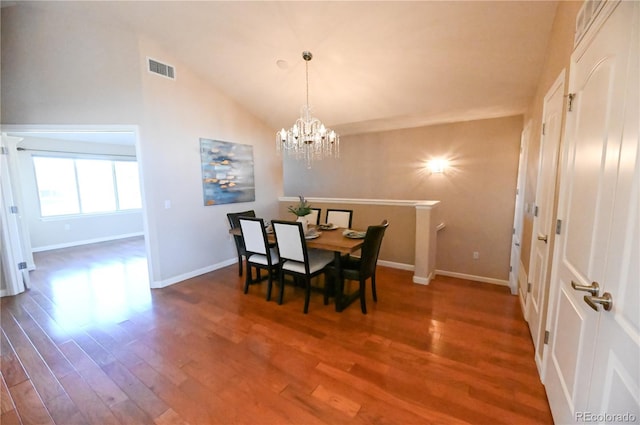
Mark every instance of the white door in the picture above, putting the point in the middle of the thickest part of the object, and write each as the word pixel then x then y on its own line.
pixel 543 223
pixel 14 267
pixel 616 375
pixel 592 361
pixel 514 269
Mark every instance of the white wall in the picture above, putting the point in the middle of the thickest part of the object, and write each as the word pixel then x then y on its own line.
pixel 58 232
pixel 58 68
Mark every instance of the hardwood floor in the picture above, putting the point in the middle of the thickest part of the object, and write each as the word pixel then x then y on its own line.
pixel 90 343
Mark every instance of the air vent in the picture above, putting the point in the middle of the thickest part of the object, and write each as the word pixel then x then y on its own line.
pixel 586 16
pixel 162 69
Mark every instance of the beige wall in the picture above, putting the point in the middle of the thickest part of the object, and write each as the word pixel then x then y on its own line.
pixel 59 68
pixel 557 58
pixel 477 192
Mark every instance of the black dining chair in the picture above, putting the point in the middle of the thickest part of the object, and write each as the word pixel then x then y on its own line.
pixel 235 223
pixel 363 268
pixel 340 218
pixel 297 260
pixel 258 252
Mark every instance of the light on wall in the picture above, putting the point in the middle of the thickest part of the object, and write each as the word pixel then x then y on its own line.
pixel 438 165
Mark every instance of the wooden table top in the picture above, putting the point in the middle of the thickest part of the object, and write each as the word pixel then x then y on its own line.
pixel 329 240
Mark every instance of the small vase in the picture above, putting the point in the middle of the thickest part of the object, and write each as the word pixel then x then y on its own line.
pixel 305 223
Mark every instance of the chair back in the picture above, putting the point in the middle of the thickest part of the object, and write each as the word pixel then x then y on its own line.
pixel 235 217
pixel 314 216
pixel 371 248
pixel 340 218
pixel 290 240
pixel 254 235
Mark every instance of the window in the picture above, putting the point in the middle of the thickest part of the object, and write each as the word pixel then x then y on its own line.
pixel 86 186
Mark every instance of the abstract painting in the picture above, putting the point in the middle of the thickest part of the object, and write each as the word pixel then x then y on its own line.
pixel 227 172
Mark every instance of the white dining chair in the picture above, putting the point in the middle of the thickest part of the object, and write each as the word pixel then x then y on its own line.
pixel 258 252
pixel 314 216
pixel 297 260
pixel 340 218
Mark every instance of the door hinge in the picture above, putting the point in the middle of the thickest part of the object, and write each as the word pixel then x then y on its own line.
pixel 535 211
pixel 546 337
pixel 558 226
pixel 544 126
pixel 13 209
pixel 571 96
pixel 22 265
pixel 510 269
pixel 529 287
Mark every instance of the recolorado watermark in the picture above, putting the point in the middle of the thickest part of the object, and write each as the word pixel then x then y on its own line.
pixel 605 417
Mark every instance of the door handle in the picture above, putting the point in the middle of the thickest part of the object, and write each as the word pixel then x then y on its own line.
pixel 593 289
pixel 542 237
pixel 605 301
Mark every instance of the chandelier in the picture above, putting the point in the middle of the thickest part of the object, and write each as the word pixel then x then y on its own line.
pixel 308 139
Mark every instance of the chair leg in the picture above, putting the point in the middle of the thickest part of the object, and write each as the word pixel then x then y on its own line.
pixel 307 294
pixel 328 283
pixel 240 265
pixel 269 283
pixel 247 279
pixel 373 288
pixel 363 302
pixel 281 287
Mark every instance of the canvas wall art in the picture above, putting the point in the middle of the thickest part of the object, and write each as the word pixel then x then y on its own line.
pixel 227 172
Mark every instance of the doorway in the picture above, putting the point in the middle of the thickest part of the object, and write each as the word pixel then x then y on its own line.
pixel 78 144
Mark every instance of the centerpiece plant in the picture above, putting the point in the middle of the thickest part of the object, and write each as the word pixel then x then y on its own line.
pixel 302 208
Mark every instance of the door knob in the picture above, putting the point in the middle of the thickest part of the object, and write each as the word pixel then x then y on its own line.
pixel 542 237
pixel 605 301
pixel 594 288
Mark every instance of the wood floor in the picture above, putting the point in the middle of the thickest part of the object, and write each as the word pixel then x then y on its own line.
pixel 90 343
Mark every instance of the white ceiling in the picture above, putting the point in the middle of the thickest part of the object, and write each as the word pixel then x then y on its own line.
pixel 376 65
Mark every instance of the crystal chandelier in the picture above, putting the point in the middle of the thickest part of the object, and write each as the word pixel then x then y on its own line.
pixel 308 139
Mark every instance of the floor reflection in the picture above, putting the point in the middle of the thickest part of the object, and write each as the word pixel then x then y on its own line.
pixel 96 284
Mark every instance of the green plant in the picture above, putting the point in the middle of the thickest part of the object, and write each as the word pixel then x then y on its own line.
pixel 303 208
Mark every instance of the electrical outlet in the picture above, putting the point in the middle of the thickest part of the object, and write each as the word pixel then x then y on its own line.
pixel 476 255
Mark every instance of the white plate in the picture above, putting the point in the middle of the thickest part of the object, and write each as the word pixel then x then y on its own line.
pixel 317 235
pixel 353 234
pixel 323 227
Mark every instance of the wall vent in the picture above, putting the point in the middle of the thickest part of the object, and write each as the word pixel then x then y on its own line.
pixel 161 68
pixel 585 18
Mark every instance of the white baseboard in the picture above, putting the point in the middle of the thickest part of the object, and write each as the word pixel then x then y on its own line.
pixel 85 242
pixel 483 279
pixel 189 275
pixel 394 265
pixel 423 280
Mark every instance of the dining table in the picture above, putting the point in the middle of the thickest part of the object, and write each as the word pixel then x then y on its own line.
pixel 335 241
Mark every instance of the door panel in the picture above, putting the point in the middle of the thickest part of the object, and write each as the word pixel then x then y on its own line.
pixel 592 364
pixel 543 228
pixel 616 378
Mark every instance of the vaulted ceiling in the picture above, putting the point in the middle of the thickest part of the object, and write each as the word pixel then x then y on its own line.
pixel 376 65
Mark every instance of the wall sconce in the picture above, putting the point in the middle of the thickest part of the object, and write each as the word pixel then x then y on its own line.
pixel 437 165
